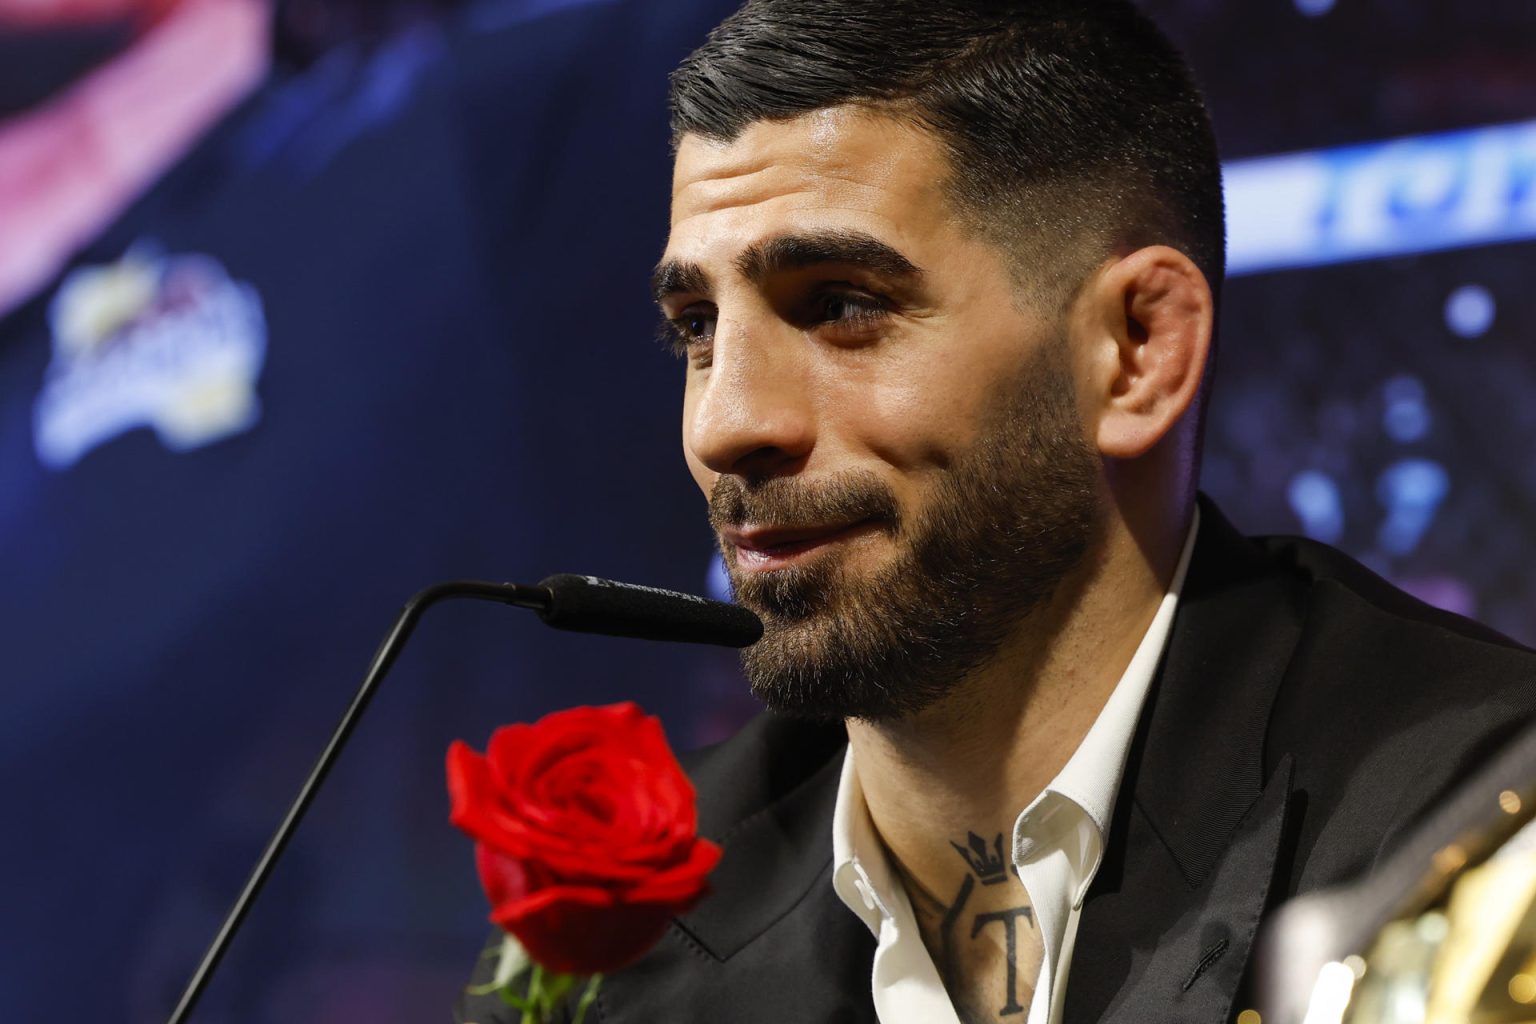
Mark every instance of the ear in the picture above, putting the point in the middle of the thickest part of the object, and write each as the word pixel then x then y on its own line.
pixel 1148 320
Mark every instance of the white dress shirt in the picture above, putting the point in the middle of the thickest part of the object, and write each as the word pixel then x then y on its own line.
pixel 1058 843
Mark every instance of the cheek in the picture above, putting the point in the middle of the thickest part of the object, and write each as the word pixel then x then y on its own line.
pixel 912 420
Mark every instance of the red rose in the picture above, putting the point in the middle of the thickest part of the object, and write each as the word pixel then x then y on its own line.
pixel 586 834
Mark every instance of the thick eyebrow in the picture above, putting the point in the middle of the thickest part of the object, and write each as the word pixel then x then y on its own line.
pixel 797 252
pixel 673 276
pixel 789 252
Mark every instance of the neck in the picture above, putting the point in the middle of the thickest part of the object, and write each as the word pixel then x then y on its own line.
pixel 970 765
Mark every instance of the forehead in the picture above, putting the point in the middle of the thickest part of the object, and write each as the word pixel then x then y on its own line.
pixel 839 168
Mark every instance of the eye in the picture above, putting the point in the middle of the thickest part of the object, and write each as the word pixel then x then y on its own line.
pixel 693 327
pixel 841 307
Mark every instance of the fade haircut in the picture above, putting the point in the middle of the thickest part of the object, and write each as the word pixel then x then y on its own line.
pixel 1074 128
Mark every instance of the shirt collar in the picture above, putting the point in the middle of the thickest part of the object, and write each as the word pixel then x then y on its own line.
pixel 1083 792
pixel 860 871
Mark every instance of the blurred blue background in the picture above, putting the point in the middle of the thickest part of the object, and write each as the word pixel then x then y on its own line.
pixel 381 319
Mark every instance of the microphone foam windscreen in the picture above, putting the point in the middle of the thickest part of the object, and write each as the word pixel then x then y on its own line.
pixel 588 604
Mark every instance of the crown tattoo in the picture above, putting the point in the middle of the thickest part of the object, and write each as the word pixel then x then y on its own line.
pixel 987 865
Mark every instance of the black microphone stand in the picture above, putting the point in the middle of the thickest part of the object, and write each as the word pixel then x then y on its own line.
pixel 538 598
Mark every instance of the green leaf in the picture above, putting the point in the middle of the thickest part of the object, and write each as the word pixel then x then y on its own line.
pixel 587 997
pixel 556 986
pixel 515 1001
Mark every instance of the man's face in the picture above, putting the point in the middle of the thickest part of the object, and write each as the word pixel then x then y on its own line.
pixel 887 432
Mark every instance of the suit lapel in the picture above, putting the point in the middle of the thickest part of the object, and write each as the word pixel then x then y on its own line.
pixel 772 858
pixel 1152 950
pixel 1168 925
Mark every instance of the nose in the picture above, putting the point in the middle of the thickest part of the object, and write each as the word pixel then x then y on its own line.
pixel 751 414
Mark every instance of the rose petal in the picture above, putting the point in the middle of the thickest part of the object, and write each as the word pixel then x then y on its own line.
pixel 681 881
pixel 474 798
pixel 504 879
pixel 582 931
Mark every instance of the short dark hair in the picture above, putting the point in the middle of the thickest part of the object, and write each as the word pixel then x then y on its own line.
pixel 1073 127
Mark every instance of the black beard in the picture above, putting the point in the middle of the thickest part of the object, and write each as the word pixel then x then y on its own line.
pixel 1009 521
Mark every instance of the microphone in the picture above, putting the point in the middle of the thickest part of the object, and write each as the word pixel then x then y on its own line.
pixel 583 604
pixel 591 605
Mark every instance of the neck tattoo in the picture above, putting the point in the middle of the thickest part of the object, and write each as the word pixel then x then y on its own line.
pixel 984 940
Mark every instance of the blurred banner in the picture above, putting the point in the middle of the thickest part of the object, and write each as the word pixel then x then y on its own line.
pixel 306 305
pixel 1383 199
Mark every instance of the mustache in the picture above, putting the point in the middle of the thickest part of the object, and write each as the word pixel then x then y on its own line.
pixel 785 502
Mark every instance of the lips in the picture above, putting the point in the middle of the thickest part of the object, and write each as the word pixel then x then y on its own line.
pixel 763 549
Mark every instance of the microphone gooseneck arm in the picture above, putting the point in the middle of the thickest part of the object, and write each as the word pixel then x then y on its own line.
pixel 581 603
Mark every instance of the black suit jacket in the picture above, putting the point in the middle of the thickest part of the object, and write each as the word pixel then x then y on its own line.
pixel 1305 714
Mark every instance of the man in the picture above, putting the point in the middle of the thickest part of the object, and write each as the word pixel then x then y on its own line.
pixel 944 278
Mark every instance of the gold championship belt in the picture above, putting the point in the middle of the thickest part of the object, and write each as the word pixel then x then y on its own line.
pixel 1444 932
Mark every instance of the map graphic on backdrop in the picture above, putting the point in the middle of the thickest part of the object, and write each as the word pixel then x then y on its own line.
pixel 169 343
